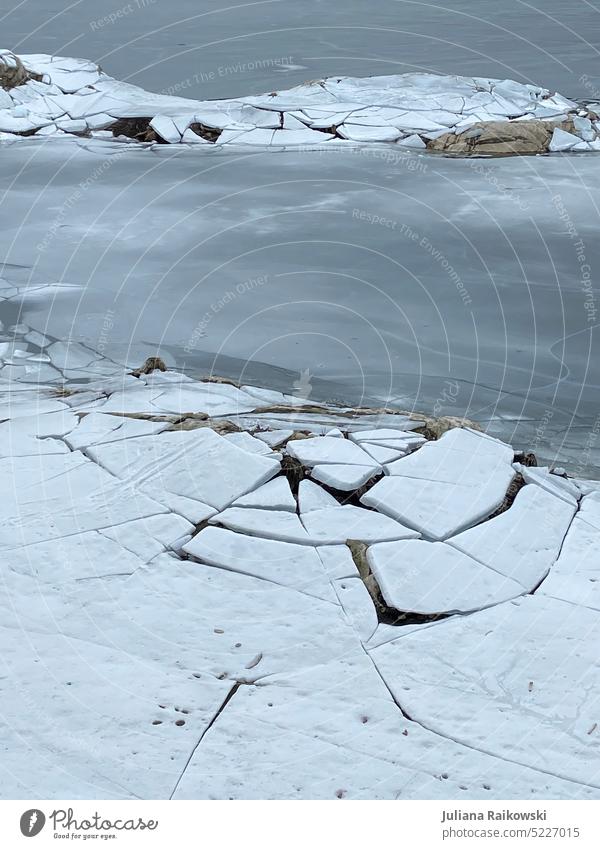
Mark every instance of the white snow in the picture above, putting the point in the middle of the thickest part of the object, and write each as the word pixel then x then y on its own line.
pixel 575 576
pixel 197 464
pixel 295 566
pixel 562 140
pixel 447 485
pixel 171 611
pixel 64 494
pixel 327 449
pixel 337 524
pixel 274 495
pixel 518 680
pixel 311 496
pixel 432 577
pixel 271 524
pixel 344 478
pixel 403 109
pixel 523 542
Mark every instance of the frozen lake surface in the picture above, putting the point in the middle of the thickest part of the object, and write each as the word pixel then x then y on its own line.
pixel 445 285
pixel 234 630
pixel 213 48
pixel 191 577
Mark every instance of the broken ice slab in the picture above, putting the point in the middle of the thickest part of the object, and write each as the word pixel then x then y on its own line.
pixel 423 577
pixel 338 524
pixel 345 477
pixel 274 495
pixel 294 566
pixel 197 464
pixel 523 542
pixel 498 681
pixel 327 449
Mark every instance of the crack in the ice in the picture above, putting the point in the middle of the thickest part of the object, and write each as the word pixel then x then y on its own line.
pixel 98 463
pixel 460 742
pixel 192 559
pixel 218 713
pixel 109 575
pixel 560 548
pixel 473 748
pixel 409 763
pixel 85 531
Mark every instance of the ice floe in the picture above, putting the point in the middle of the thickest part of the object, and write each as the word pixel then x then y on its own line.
pixel 272 524
pixel 553 483
pixel 274 495
pixel 59 97
pixel 296 566
pixel 101 428
pixel 575 576
pixel 64 494
pixel 198 464
pixel 337 725
pixel 314 497
pixel 337 524
pixel 214 573
pixel 34 435
pixel 345 477
pixel 338 561
pixel 523 542
pixel 432 577
pixel 445 486
pixel 87 732
pixel 518 681
pixel 327 449
pixel 358 606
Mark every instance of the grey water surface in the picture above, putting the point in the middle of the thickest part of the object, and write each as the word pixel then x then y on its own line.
pixel 221 48
pixel 453 286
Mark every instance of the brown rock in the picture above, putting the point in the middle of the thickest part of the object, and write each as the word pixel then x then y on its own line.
pixel 151 364
pixel 211 134
pixel 435 427
pixel 498 138
pixel 12 75
pixel 134 128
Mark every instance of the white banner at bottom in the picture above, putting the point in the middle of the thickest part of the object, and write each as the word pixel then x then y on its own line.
pixel 283 824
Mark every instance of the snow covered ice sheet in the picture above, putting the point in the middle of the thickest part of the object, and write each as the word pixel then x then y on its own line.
pixel 502 681
pixel 190 563
pixel 61 96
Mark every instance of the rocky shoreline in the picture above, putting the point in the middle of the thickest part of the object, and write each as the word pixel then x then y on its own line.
pixel 222 591
pixel 60 97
